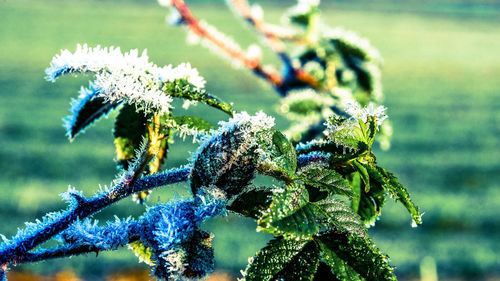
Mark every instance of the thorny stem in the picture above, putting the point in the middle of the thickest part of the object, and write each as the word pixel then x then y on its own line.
pixel 15 253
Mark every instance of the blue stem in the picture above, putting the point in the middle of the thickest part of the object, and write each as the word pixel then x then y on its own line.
pixel 15 252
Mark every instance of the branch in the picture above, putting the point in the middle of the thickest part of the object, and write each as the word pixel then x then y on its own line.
pixel 85 207
pixel 65 251
pixel 235 52
pixel 274 39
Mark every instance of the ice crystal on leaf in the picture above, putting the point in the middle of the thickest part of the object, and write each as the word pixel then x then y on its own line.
pixel 124 77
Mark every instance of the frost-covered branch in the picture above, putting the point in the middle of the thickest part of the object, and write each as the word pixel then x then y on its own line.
pixel 53 223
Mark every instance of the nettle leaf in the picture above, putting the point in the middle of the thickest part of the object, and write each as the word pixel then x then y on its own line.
pixel 347 254
pixel 252 202
pixel 281 158
pixel 186 91
pixel 363 172
pixel 326 180
pixel 340 153
pixel 284 259
pixel 341 270
pixel 339 214
pixel 130 128
pixel 228 162
pixel 87 109
pixel 396 190
pixel 324 272
pixel 371 203
pixel 292 215
pixel 193 122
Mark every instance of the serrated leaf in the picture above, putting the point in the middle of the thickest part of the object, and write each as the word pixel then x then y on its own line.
pixel 371 203
pixel 251 202
pixel 339 214
pixel 347 253
pixel 326 180
pixel 130 128
pixel 397 191
pixel 185 91
pixel 292 215
pixel 324 272
pixel 284 259
pixel 282 159
pixel 87 109
pixel 228 161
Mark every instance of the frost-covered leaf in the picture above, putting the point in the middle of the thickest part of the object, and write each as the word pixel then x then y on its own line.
pixel 279 158
pixel 129 130
pixel 284 259
pixel 251 202
pixel 326 180
pixel 193 122
pixel 88 108
pixel 347 254
pixel 228 157
pixel 186 91
pixel 291 214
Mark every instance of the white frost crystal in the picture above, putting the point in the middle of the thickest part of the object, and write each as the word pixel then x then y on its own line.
pixel 127 77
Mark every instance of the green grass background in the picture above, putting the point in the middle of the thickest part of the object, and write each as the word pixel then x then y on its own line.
pixel 441 79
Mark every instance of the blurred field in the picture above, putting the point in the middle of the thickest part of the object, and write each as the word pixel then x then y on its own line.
pixel 442 90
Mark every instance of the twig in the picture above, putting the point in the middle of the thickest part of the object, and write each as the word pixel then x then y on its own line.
pixel 275 41
pixel 86 207
pixel 237 54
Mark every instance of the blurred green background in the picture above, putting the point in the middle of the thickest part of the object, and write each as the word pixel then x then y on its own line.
pixel 442 86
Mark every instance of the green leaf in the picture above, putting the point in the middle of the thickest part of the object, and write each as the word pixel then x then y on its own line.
pixel 338 213
pixel 130 128
pixel 186 91
pixel 324 272
pixel 396 190
pixel 342 271
pixel 357 190
pixel 251 203
pixel 281 158
pixel 326 180
pixel 302 106
pixel 284 259
pixel 363 172
pixel 292 215
pixel 86 110
pixel 371 203
pixel 347 254
pixel 193 122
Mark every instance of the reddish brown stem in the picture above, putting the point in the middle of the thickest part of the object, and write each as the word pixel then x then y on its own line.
pixel 275 41
pixel 238 54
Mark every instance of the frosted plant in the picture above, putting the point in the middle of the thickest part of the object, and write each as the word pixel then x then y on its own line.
pixel 327 186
